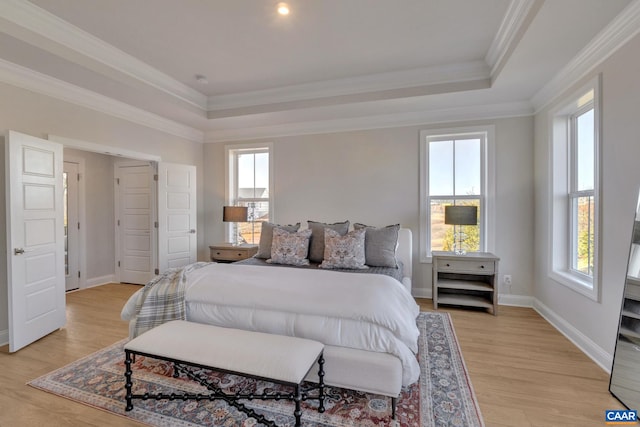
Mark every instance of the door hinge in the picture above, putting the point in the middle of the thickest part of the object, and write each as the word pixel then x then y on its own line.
pixel 156 271
pixel 78 177
pixel 118 181
pixel 78 274
pixel 118 223
pixel 155 224
pixel 78 226
pixel 118 263
pixel 155 177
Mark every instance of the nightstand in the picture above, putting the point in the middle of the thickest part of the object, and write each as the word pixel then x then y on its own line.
pixel 465 280
pixel 228 252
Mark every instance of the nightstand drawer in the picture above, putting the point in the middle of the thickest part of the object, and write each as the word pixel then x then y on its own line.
pixel 230 253
pixel 466 266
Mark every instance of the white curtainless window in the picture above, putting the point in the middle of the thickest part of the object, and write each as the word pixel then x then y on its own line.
pixel 455 171
pixel 249 184
pixel 575 201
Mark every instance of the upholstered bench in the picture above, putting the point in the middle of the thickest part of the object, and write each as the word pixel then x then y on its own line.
pixel 281 359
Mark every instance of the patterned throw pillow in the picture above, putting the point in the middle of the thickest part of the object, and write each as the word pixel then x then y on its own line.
pixel 344 251
pixel 266 237
pixel 316 245
pixel 290 248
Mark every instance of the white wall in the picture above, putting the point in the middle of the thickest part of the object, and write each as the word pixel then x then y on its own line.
pixel 38 115
pixel 373 177
pixel 593 325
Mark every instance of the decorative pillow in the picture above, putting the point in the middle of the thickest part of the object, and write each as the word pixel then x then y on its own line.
pixel 290 248
pixel 266 237
pixel 380 245
pixel 343 251
pixel 316 246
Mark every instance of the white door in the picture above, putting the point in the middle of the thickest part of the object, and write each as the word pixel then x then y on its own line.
pixel 71 225
pixel 177 237
pixel 35 238
pixel 134 222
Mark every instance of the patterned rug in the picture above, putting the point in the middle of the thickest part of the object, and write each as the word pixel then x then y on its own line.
pixel 442 397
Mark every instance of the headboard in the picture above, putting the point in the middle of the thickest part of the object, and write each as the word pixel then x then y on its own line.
pixel 404 253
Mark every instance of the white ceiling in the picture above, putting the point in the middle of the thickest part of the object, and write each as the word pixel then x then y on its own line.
pixel 329 65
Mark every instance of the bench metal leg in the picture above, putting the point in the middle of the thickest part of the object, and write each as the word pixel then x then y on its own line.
pixel 298 412
pixel 321 384
pixel 127 380
pixel 176 373
pixel 394 404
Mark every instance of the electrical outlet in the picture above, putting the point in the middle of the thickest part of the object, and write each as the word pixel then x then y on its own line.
pixel 507 279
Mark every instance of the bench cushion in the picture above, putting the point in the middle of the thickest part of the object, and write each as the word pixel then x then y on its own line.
pixel 347 366
pixel 276 357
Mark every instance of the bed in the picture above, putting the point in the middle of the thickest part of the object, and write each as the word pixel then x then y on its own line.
pixel 369 330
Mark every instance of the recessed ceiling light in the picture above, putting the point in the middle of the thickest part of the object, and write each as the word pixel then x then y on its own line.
pixel 283 9
pixel 202 79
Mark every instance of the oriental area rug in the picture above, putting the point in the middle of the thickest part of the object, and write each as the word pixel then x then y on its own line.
pixel 442 397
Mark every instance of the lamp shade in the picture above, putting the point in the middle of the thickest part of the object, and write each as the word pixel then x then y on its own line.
pixel 234 213
pixel 461 215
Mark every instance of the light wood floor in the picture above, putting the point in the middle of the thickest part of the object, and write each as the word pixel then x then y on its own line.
pixel 524 372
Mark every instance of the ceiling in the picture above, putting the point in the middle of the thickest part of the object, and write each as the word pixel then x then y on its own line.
pixel 329 65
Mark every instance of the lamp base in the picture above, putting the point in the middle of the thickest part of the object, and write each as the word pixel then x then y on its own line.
pixel 458 242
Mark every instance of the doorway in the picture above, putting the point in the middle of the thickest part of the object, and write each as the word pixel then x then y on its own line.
pixel 71 220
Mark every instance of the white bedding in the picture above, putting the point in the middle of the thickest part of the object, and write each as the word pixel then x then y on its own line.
pixel 363 311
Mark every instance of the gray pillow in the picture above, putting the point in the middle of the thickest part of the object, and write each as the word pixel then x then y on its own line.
pixel 316 245
pixel 266 237
pixel 380 245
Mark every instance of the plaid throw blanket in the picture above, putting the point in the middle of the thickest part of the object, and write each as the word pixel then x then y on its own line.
pixel 162 299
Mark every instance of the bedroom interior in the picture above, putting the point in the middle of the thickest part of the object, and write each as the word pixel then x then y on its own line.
pixel 344 126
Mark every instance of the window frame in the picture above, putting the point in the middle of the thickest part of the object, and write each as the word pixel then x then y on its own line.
pixel 487 192
pixel 563 191
pixel 231 177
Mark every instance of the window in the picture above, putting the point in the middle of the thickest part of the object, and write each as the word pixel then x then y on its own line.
pixel 250 184
pixel 453 172
pixel 575 200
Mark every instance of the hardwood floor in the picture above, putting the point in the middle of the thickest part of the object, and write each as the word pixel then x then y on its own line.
pixel 524 372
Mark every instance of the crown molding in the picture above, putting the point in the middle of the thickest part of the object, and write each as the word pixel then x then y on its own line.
pixel 27 16
pixel 427 117
pixel 26 78
pixel 520 14
pixel 419 77
pixel 618 32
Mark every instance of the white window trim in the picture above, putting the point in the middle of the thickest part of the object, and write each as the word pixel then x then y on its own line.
pixel 229 177
pixel 489 179
pixel 559 223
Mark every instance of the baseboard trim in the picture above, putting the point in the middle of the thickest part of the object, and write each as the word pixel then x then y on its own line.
pixel 515 300
pixel 583 342
pixel 98 281
pixel 4 337
pixel 421 292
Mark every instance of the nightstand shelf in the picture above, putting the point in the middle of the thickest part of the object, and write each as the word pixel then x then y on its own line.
pixel 469 285
pixel 468 280
pixel 465 300
pixel 228 252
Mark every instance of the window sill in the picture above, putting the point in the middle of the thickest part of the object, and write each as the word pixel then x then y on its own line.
pixel 576 283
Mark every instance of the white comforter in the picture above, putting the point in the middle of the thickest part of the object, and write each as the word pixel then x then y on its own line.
pixel 364 311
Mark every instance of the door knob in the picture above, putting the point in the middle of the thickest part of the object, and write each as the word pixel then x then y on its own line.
pixel 18 251
pixel 192 231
